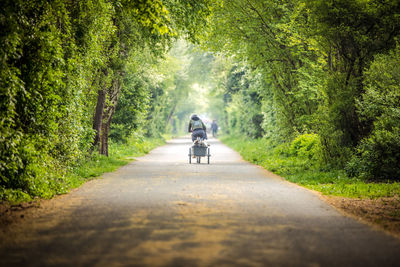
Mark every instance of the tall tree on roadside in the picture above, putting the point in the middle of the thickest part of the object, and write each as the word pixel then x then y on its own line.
pixel 313 55
pixel 50 52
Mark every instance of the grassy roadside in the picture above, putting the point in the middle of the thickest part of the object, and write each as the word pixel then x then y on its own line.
pixel 302 169
pixel 89 168
pixel 377 204
pixel 119 155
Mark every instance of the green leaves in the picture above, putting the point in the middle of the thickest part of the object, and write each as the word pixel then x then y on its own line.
pixel 55 57
pixel 314 58
pixel 377 156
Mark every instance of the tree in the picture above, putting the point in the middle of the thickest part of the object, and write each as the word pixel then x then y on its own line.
pixel 150 25
pixel 377 155
pixel 48 52
pixel 312 56
pixel 64 65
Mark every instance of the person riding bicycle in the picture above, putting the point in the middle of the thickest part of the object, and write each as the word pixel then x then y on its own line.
pixel 197 128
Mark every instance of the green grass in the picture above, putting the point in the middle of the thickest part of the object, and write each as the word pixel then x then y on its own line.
pixel 358 189
pixel 307 171
pixel 86 169
pixel 119 155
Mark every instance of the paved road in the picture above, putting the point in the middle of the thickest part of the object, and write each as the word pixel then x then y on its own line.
pixel 161 211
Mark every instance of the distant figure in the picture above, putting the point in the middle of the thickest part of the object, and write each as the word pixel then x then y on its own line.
pixel 214 128
pixel 197 128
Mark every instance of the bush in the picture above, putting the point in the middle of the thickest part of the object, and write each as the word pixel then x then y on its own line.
pixel 118 133
pixel 306 146
pixel 378 154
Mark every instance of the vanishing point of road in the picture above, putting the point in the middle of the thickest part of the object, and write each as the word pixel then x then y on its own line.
pixel 162 211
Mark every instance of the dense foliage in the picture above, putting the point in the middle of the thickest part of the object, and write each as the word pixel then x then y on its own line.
pixel 327 68
pixel 76 73
pixel 66 64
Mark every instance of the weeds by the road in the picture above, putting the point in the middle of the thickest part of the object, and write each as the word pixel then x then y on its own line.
pixel 301 167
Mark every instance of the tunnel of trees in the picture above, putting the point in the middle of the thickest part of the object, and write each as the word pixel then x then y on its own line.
pixel 319 76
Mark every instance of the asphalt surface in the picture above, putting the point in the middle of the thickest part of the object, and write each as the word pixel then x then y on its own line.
pixel 162 211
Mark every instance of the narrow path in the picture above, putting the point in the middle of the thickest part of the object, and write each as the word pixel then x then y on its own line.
pixel 162 211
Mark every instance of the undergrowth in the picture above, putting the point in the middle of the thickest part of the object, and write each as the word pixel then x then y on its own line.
pixel 300 162
pixel 87 168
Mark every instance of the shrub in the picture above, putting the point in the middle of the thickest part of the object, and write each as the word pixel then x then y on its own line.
pixel 306 146
pixel 378 154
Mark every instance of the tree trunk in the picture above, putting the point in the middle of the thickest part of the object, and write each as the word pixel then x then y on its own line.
pixel 98 116
pixel 107 117
pixel 106 130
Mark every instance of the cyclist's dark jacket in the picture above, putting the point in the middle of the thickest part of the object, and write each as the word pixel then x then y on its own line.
pixel 193 122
